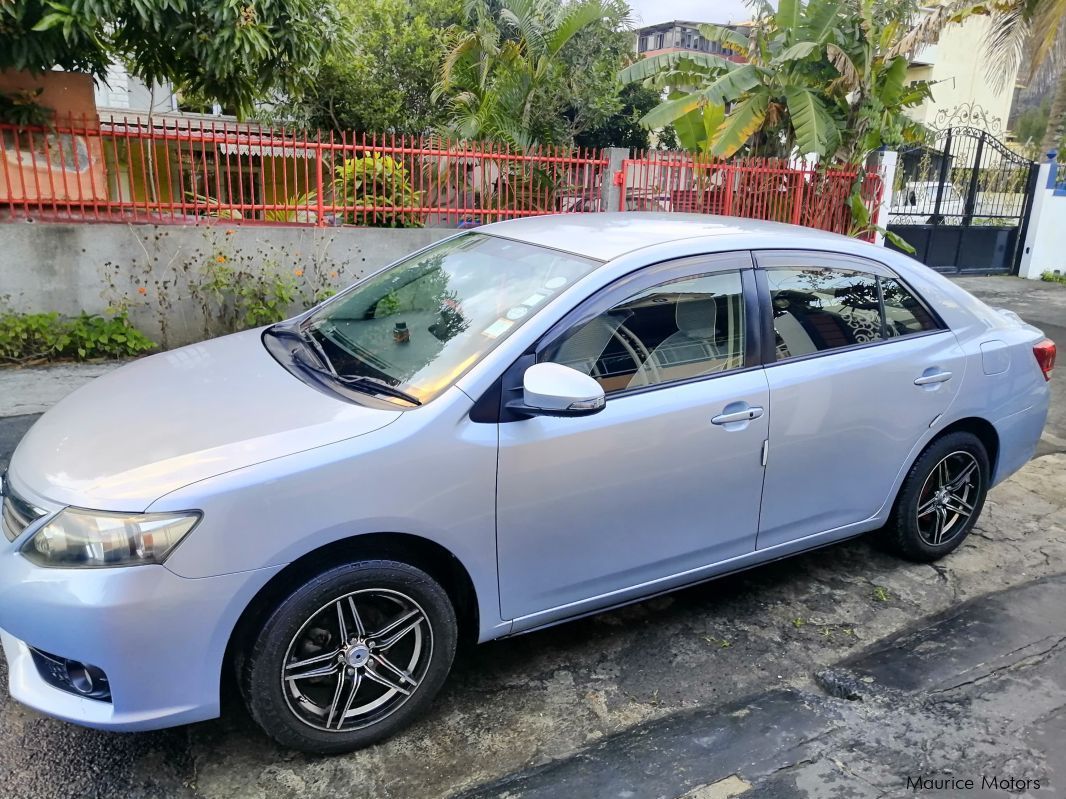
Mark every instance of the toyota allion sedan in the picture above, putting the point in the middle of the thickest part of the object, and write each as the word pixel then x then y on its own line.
pixel 521 424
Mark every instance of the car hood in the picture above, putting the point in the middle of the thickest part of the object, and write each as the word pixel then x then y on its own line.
pixel 163 422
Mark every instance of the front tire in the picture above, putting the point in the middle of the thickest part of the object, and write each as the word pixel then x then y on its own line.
pixel 350 657
pixel 940 499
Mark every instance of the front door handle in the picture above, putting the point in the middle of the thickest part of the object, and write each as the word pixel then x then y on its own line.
pixel 934 377
pixel 745 415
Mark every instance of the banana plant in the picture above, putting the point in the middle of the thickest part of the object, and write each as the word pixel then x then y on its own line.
pixel 823 77
pixel 776 93
pixel 872 90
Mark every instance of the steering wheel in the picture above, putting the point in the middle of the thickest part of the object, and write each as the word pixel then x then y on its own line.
pixel 636 350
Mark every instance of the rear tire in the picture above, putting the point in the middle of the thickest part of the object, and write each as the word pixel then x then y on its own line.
pixel 940 499
pixel 350 657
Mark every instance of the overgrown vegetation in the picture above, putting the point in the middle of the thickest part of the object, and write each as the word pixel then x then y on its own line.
pixel 230 282
pixel 1054 277
pixel 38 337
pixel 239 297
pixel 381 185
pixel 1030 129
pixel 532 72
pixel 520 71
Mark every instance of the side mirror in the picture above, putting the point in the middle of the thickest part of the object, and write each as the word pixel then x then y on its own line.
pixel 551 389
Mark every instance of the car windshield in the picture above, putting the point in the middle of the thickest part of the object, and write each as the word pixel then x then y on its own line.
pixel 420 324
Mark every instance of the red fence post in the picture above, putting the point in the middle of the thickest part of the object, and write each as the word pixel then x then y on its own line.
pixel 797 202
pixel 320 209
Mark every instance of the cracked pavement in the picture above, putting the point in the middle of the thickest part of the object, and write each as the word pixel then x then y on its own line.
pixel 721 652
pixel 939 704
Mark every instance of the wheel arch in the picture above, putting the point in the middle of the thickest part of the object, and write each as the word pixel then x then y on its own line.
pixel 976 425
pixel 433 558
pixel 982 428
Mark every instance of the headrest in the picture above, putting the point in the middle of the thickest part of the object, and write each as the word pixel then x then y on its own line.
pixel 697 318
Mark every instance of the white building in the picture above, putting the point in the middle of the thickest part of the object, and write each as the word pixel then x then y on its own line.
pixel 962 93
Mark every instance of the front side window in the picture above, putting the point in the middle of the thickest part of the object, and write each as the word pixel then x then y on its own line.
pixel 675 331
pixel 420 324
pixel 822 309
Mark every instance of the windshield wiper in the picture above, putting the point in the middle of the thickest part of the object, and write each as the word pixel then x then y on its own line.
pixel 304 337
pixel 368 385
pixel 308 336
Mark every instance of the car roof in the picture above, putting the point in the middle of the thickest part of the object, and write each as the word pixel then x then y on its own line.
pixel 606 236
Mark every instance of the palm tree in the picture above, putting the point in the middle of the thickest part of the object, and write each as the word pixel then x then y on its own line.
pixel 498 65
pixel 1029 29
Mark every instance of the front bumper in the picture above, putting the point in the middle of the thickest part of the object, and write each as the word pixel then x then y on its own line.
pixel 160 638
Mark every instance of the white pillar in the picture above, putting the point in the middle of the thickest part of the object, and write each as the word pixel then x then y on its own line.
pixel 884 162
pixel 1042 249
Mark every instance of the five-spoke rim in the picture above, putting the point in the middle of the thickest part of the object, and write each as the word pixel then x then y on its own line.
pixel 948 498
pixel 357 659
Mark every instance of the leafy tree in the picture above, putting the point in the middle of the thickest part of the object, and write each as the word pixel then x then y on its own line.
pixel 232 52
pixel 825 77
pixel 623 128
pixel 504 68
pixel 589 96
pixel 382 79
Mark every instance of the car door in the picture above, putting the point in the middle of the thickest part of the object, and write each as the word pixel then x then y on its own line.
pixel 663 481
pixel 858 371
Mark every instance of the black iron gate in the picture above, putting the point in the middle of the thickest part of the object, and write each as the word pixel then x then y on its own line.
pixel 963 201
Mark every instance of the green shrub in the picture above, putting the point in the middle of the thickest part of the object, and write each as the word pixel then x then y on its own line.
pixel 245 298
pixel 49 336
pixel 1053 277
pixel 379 182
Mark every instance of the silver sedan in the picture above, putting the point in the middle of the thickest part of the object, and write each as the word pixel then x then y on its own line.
pixel 515 426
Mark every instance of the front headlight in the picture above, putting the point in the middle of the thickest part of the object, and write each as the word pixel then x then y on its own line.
pixel 94 539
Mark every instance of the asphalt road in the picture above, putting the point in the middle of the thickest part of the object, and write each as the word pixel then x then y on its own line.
pixel 740 652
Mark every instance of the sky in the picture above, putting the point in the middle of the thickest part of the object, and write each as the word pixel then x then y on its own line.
pixel 650 12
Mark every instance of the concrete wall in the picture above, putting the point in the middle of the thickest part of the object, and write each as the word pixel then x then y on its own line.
pixel 163 274
pixel 1045 240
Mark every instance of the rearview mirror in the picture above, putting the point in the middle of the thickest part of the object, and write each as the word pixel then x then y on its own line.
pixel 551 389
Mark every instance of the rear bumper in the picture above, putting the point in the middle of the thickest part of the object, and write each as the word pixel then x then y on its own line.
pixel 160 638
pixel 1019 435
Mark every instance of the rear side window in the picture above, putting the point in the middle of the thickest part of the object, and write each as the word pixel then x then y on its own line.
pixel 818 309
pixel 903 313
pixel 823 309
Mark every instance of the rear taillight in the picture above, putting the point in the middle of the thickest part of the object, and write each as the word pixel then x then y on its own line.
pixel 1045 356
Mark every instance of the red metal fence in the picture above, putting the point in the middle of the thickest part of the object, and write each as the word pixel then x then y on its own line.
pixel 178 169
pixel 756 188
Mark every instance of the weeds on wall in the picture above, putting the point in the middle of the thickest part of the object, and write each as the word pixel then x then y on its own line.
pixel 234 285
pixel 41 337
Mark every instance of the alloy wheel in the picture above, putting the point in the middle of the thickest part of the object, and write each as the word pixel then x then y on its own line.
pixel 948 498
pixel 357 660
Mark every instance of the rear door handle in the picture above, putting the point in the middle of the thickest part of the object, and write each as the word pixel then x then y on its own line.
pixel 746 415
pixel 935 377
